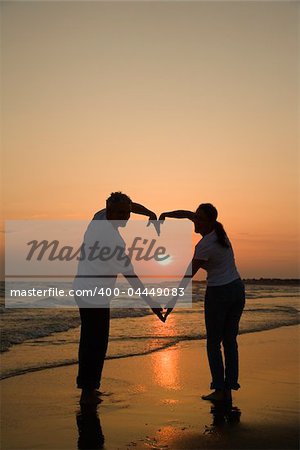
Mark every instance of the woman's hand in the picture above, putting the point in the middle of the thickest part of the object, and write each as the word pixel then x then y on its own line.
pixel 153 220
pixel 170 306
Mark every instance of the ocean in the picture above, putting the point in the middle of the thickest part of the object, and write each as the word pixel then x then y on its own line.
pixel 39 338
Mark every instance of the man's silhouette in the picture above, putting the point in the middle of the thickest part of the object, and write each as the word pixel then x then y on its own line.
pixel 94 273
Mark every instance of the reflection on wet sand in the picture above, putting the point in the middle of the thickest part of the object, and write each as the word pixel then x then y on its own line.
pixel 165 369
pixel 165 364
pixel 217 435
pixel 90 434
pixel 223 413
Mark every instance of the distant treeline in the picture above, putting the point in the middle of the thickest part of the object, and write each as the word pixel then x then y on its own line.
pixel 273 281
pixel 268 281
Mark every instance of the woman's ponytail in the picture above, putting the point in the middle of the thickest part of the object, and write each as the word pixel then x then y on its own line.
pixel 210 211
pixel 221 235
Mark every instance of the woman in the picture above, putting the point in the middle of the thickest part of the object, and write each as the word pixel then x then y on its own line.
pixel 224 298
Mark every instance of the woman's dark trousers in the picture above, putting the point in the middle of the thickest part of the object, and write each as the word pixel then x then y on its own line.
pixel 223 309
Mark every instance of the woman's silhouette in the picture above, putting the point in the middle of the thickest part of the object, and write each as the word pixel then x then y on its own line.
pixel 224 298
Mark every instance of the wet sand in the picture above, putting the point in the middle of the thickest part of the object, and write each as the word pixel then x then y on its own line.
pixel 153 401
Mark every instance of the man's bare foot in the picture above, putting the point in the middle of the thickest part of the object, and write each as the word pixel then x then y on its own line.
pixel 90 397
pixel 219 395
pixel 216 396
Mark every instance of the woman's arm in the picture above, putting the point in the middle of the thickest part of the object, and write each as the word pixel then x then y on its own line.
pixel 179 214
pixel 192 269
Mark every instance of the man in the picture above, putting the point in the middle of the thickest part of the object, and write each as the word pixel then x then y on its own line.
pixel 94 274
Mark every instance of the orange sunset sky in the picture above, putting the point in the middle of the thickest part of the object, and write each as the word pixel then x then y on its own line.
pixel 174 103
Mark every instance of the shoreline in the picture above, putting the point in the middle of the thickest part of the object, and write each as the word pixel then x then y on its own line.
pixel 153 401
pixel 18 348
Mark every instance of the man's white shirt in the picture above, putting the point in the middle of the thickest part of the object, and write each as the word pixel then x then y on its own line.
pixel 94 273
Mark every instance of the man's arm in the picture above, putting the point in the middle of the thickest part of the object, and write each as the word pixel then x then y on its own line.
pixel 136 284
pixel 140 209
pixel 178 214
pixel 136 208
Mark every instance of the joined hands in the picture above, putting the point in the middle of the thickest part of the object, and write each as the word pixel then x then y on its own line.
pixel 156 222
pixel 163 313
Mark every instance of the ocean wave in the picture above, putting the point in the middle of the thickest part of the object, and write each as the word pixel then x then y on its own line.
pixel 18 326
pixel 169 343
pixel 265 304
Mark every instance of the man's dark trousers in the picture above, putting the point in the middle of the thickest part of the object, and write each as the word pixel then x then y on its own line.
pixel 93 346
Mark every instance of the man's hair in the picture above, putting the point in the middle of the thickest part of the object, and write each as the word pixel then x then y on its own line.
pixel 117 197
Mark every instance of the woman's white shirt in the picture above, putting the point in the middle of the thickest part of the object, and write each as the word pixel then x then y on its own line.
pixel 218 261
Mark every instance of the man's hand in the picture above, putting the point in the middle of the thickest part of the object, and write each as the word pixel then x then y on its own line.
pixel 153 220
pixel 159 313
pixel 157 309
pixel 137 208
pixel 152 216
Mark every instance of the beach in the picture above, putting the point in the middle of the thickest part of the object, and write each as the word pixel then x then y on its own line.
pixel 150 153
pixel 154 401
